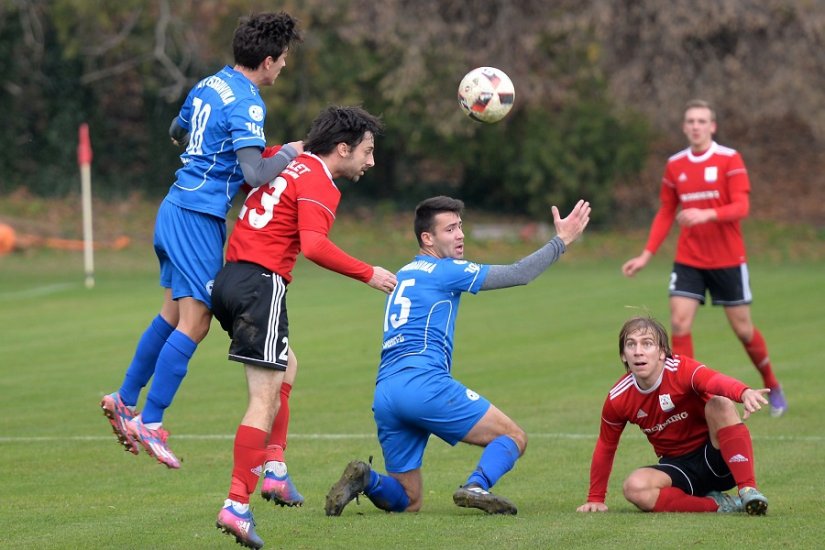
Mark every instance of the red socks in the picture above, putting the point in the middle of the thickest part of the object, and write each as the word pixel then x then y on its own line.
pixel 249 452
pixel 758 352
pixel 672 499
pixel 737 450
pixel 277 441
pixel 682 345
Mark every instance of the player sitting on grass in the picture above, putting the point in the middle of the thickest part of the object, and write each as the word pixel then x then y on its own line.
pixel 687 412
pixel 415 394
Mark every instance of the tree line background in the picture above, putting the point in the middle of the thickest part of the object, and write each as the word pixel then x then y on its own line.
pixel 600 87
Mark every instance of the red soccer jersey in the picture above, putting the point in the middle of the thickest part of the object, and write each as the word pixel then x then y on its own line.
pixel 293 212
pixel 671 414
pixel 715 179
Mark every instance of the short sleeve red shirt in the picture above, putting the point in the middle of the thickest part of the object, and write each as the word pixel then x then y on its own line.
pixel 302 197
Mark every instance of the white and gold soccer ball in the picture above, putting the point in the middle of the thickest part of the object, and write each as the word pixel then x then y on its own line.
pixel 486 94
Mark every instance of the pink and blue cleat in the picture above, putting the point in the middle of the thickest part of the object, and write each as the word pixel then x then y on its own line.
pixel 119 416
pixel 154 442
pixel 280 489
pixel 239 525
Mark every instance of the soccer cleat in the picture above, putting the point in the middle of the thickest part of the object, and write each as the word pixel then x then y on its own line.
pixel 280 490
pixel 754 502
pixel 240 526
pixel 776 398
pixel 354 480
pixel 119 416
pixel 473 496
pixel 727 503
pixel 154 442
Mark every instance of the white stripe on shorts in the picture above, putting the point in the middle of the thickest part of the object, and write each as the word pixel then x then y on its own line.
pixel 271 344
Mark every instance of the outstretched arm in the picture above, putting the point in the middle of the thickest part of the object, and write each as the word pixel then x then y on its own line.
pixel 528 268
pixel 318 248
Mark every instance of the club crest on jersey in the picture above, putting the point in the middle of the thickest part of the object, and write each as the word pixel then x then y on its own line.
pixel 666 402
pixel 256 113
pixel 711 174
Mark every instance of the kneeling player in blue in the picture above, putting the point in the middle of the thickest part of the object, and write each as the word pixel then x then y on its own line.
pixel 415 393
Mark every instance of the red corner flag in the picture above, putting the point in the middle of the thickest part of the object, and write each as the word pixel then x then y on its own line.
pixel 84 159
pixel 84 145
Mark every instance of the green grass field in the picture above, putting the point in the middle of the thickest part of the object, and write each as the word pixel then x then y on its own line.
pixel 546 354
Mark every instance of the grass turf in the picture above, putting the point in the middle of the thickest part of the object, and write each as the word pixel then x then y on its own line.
pixel 546 354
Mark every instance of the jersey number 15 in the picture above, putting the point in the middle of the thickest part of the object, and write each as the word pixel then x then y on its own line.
pixel 397 298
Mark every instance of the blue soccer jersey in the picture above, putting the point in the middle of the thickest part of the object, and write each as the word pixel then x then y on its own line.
pixel 223 113
pixel 419 319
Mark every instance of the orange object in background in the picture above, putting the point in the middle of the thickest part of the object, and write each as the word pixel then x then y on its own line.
pixel 10 240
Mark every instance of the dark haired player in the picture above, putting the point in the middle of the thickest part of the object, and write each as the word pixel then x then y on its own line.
pixel 293 214
pixel 415 393
pixel 221 124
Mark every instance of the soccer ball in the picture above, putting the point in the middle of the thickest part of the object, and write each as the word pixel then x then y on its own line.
pixel 486 94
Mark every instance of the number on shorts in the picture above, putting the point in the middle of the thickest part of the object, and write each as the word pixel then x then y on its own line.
pixel 284 355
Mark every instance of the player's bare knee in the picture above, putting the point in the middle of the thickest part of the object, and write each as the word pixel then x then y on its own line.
pixel 520 437
pixel 636 490
pixel 721 412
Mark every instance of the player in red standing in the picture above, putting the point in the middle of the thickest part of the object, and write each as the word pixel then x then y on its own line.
pixel 292 214
pixel 710 183
pixel 686 410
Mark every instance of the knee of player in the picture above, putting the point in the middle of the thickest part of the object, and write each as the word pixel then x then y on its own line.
pixel 721 411
pixel 519 436
pixel 719 407
pixel 635 488
pixel 196 332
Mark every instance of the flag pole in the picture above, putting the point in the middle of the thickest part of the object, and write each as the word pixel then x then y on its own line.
pixel 84 160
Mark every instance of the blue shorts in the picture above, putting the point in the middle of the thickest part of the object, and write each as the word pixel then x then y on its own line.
pixel 411 405
pixel 189 246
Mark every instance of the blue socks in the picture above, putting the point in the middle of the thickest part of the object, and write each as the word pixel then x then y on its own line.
pixel 386 493
pixel 498 458
pixel 144 360
pixel 169 373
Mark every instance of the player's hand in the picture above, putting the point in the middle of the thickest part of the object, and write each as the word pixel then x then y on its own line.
pixel 752 401
pixel 695 216
pixel 592 507
pixel 297 145
pixel 570 228
pixel 635 265
pixel 383 280
pixel 182 142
